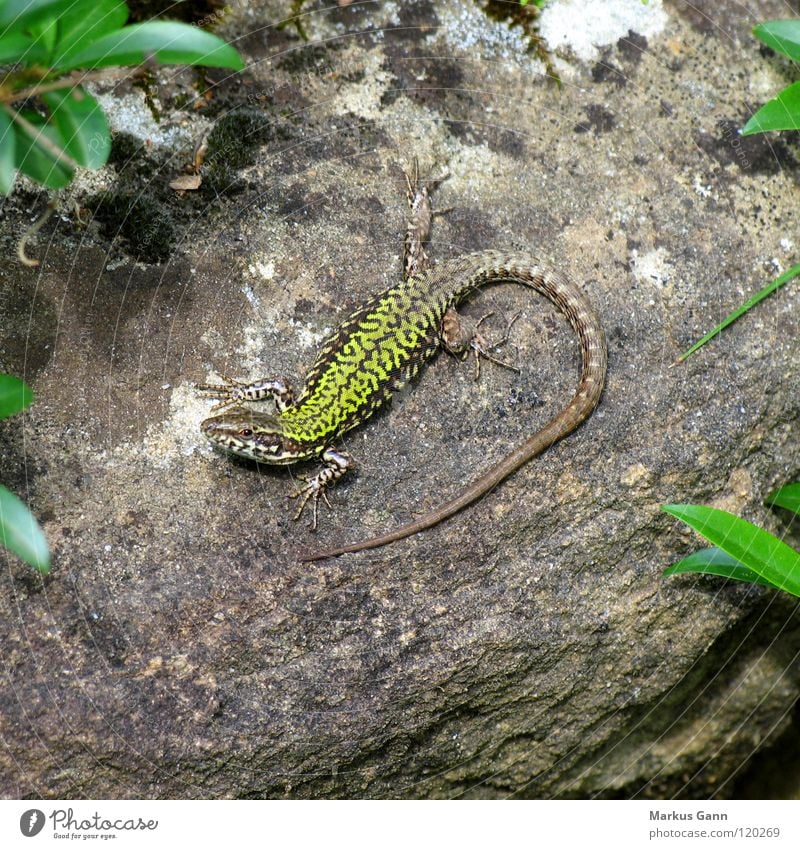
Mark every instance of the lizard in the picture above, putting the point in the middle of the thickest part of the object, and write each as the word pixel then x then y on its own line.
pixel 381 347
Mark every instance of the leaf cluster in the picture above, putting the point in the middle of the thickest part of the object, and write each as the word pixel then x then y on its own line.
pixel 49 123
pixel 742 551
pixel 783 111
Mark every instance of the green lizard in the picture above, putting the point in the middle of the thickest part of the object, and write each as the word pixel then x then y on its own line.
pixel 382 346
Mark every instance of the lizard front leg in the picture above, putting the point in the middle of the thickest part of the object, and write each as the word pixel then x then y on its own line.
pixel 336 465
pixel 235 391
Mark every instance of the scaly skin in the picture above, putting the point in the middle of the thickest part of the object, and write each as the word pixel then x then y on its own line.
pixel 379 349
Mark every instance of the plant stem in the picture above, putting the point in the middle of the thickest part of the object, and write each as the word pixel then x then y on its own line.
pixel 76 78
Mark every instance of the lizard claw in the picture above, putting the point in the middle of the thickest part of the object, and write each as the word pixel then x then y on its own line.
pixel 312 492
pixel 481 346
pixel 316 487
pixel 229 392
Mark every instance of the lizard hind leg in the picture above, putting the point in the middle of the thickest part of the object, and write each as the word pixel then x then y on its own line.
pixel 421 213
pixel 460 340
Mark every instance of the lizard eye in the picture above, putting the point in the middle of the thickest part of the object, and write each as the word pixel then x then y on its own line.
pixel 245 432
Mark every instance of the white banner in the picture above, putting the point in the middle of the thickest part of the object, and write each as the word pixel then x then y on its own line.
pixel 381 824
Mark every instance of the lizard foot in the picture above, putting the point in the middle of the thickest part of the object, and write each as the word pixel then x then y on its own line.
pixel 481 346
pixel 336 464
pixel 230 392
pixel 312 491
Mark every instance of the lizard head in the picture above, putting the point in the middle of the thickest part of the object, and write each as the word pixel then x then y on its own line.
pixel 250 434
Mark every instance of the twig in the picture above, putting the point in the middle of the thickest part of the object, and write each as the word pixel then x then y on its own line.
pixel 76 78
pixel 32 231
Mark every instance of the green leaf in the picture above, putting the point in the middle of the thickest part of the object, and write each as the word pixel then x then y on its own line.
pixel 86 22
pixel 54 29
pixel 759 551
pixel 44 34
pixel 35 158
pixel 169 42
pixel 783 36
pixel 27 13
pixel 762 293
pixel 714 561
pixel 8 171
pixel 81 124
pixel 15 395
pixel 16 46
pixel 787 497
pixel 780 113
pixel 20 532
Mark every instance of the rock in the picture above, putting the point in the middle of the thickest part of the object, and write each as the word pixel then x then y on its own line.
pixel 529 646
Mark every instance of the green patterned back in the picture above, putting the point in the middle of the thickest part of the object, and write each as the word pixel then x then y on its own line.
pixel 377 350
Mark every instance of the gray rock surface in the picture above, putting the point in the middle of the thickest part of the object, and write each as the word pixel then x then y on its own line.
pixel 529 647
